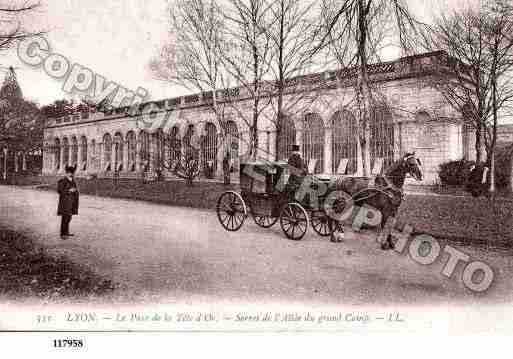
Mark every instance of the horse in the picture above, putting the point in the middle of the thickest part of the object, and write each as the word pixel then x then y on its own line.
pixel 385 195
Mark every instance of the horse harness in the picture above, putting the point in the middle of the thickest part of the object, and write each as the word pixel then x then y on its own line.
pixel 393 192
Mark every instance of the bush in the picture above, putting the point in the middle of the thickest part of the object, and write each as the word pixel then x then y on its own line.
pixel 504 166
pixel 455 172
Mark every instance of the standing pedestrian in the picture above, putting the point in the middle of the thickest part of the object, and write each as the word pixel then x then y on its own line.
pixel 68 200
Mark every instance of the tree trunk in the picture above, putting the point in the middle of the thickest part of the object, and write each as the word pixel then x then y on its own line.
pixel 363 92
pixel 279 122
pixel 281 81
pixel 478 144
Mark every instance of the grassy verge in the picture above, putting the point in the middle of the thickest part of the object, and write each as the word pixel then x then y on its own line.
pixel 27 271
pixel 200 195
pixel 467 219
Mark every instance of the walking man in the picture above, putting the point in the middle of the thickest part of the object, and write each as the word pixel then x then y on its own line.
pixel 68 200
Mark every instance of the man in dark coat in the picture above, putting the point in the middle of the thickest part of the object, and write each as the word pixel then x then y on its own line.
pixel 68 200
pixel 298 170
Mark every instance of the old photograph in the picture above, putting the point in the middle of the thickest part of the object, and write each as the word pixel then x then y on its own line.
pixel 256 165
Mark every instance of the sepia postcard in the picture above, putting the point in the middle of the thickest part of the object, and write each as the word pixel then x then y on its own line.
pixel 263 166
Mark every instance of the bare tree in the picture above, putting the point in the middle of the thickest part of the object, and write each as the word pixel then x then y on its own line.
pixel 193 56
pixel 186 163
pixel 500 47
pixel 477 82
pixel 294 35
pixel 357 24
pixel 181 158
pixel 248 60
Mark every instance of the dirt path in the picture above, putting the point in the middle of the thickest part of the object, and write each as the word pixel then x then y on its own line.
pixel 163 253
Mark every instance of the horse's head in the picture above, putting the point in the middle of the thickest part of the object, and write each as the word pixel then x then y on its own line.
pixel 413 165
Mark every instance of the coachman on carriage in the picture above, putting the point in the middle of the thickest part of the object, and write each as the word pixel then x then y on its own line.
pixel 269 193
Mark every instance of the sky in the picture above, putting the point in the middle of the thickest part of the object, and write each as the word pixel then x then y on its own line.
pixel 117 39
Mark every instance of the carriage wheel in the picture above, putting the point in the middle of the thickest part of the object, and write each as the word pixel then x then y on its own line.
pixel 231 211
pixel 264 221
pixel 321 224
pixel 294 221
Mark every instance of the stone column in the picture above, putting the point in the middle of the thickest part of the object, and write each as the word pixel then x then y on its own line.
pixel 55 163
pixel 24 161
pixel 397 140
pixel 268 145
pixel 113 151
pixel 299 139
pixel 272 145
pixel 153 150
pixel 79 156
pixel 70 151
pixel 138 148
pixel 61 165
pixel 16 167
pixel 166 148
pixel 327 151
pixel 3 165
pixel 222 148
pixel 125 156
pixel 90 157
pixel 101 156
pixel 1 161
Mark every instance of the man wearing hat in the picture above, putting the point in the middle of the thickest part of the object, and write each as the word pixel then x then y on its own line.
pixel 298 169
pixel 68 200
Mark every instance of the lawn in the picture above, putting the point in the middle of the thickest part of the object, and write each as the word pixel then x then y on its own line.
pixel 28 271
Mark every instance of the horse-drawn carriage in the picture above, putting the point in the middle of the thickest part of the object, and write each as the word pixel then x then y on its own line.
pixel 267 197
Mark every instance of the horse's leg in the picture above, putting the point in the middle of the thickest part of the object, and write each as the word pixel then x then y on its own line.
pixel 385 230
pixel 382 235
pixel 336 229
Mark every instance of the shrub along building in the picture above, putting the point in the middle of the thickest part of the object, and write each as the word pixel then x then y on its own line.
pixel 409 116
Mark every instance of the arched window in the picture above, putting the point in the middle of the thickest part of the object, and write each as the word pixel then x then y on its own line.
pixel 107 152
pixel 209 149
pixel 382 136
pixel 118 152
pixel 145 149
pixel 57 154
pixel 188 142
pixel 313 141
pixel 132 148
pixel 175 145
pixel 74 151
pixel 286 138
pixel 65 155
pixel 344 140
pixel 83 150
pixel 94 155
pixel 159 155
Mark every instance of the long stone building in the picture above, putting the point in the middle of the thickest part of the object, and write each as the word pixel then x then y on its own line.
pixel 320 118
